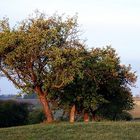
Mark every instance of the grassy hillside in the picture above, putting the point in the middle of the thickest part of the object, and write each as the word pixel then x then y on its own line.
pixel 77 131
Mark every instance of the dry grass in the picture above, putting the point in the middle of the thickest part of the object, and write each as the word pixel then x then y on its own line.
pixel 136 111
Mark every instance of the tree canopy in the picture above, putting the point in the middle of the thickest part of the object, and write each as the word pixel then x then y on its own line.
pixel 40 54
pixel 45 55
pixel 104 86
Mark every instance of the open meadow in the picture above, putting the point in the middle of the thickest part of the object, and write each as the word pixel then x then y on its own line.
pixel 80 131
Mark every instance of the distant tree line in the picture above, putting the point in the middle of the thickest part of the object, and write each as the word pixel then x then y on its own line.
pixel 44 55
pixel 9 96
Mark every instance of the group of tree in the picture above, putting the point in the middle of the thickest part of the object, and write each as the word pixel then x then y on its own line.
pixel 44 55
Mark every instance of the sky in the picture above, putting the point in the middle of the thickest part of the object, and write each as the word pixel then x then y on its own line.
pixel 103 22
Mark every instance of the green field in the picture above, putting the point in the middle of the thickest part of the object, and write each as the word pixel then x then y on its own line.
pixel 77 131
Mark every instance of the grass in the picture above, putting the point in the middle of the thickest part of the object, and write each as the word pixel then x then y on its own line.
pixel 76 131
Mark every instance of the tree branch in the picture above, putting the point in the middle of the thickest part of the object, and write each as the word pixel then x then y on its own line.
pixel 11 79
pixel 58 86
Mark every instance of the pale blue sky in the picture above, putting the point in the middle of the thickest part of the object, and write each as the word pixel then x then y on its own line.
pixel 103 22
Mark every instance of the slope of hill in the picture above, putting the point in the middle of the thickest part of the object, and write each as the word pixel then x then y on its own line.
pixel 80 131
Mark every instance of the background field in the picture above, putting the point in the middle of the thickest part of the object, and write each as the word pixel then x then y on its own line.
pixel 136 111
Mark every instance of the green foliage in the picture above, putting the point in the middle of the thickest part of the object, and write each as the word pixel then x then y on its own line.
pixel 36 116
pixel 40 51
pixel 41 54
pixel 112 81
pixel 104 84
pixel 13 113
pixel 45 55
pixel 110 113
pixel 124 116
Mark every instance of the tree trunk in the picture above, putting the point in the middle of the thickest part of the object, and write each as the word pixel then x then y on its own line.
pixel 93 116
pixel 93 112
pixel 86 117
pixel 72 114
pixel 45 104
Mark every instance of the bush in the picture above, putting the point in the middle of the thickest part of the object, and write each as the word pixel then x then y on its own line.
pixel 13 113
pixel 115 116
pixel 124 116
pixel 36 116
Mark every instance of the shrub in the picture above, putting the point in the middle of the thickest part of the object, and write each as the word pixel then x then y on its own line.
pixel 124 116
pixel 36 116
pixel 115 116
pixel 13 113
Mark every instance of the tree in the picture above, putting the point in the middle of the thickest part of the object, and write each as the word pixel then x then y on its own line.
pixel 41 54
pixel 67 97
pixel 104 85
pixel 115 84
